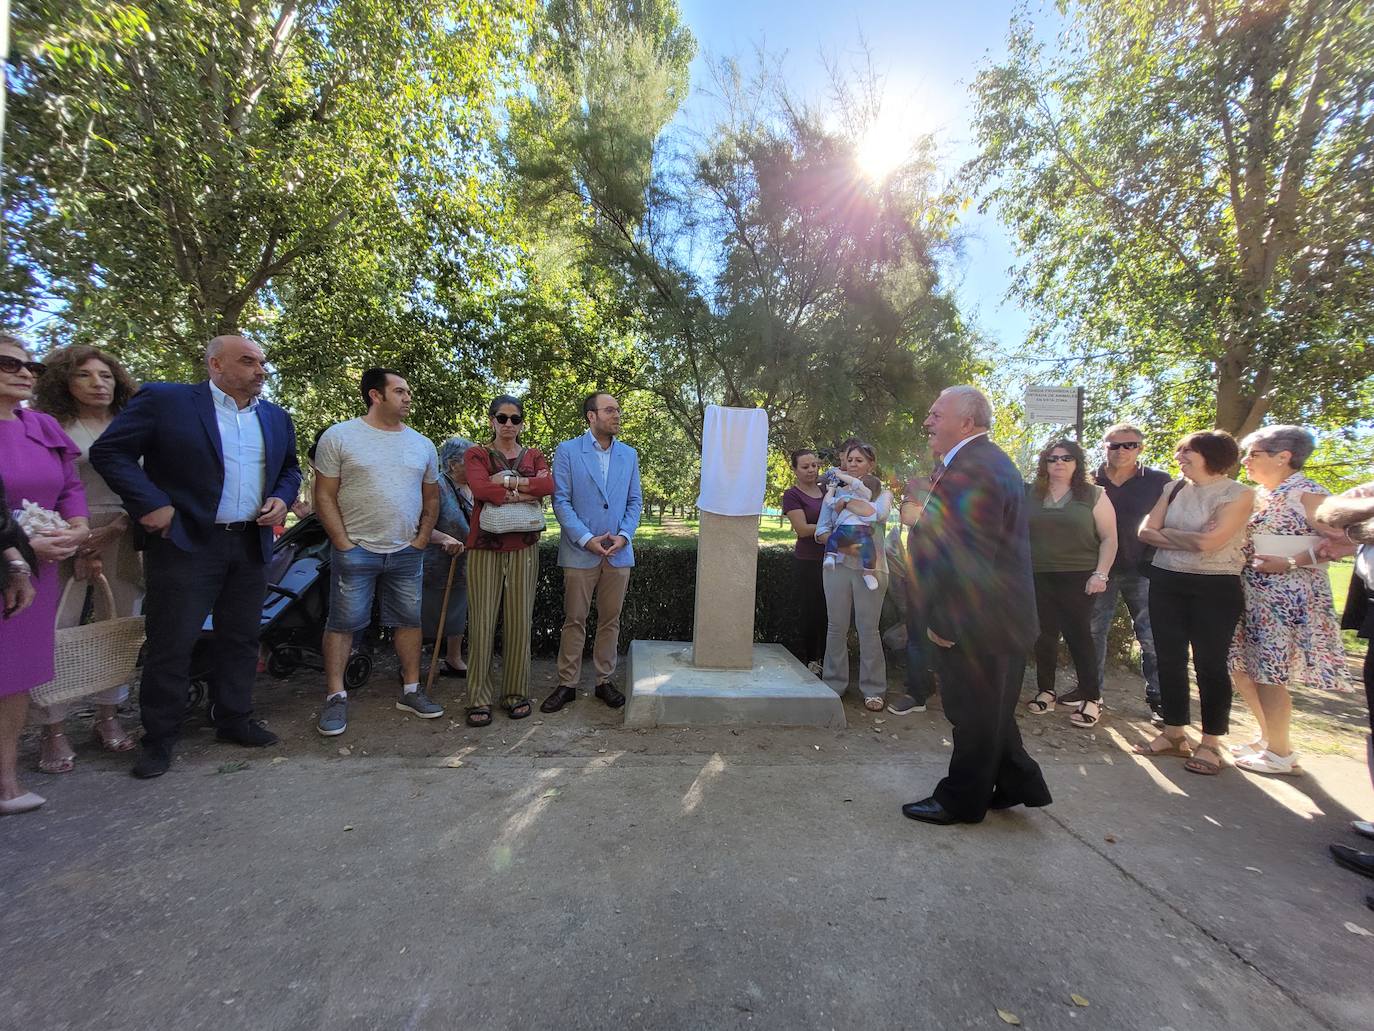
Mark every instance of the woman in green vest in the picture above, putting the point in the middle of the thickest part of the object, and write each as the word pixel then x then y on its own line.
pixel 1073 545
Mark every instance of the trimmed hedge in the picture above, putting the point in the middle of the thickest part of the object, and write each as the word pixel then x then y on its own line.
pixel 660 602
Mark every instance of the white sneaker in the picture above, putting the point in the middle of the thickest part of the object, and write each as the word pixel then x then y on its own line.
pixel 1267 762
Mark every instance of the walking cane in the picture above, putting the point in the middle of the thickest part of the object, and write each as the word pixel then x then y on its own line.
pixel 439 639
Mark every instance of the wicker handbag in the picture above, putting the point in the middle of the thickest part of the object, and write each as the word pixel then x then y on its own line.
pixel 517 516
pixel 95 656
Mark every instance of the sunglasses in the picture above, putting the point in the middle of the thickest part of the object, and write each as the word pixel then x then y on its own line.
pixel 1129 445
pixel 1060 458
pixel 514 420
pixel 13 365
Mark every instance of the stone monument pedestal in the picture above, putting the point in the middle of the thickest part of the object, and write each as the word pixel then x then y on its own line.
pixel 668 690
pixel 722 678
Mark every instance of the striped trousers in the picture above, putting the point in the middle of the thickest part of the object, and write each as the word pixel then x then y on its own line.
pixel 495 577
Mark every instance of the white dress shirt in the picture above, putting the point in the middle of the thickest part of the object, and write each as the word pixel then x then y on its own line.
pixel 603 460
pixel 245 459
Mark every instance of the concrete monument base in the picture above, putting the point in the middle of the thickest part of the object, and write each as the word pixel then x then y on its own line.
pixel 667 690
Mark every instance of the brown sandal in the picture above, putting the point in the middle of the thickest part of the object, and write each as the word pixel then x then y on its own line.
pixel 1196 764
pixel 1179 748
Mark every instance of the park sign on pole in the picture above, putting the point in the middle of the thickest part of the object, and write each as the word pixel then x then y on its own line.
pixel 1062 405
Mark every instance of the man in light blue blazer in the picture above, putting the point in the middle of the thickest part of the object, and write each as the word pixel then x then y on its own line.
pixel 597 501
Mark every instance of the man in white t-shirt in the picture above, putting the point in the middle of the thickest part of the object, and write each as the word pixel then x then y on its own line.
pixel 377 494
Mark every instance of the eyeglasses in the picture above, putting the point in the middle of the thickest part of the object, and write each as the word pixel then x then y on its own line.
pixel 503 418
pixel 1060 458
pixel 1129 445
pixel 13 365
pixel 608 411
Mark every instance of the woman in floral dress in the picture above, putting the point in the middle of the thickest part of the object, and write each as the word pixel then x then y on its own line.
pixel 1289 628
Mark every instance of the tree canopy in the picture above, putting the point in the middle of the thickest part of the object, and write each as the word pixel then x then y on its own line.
pixel 1189 184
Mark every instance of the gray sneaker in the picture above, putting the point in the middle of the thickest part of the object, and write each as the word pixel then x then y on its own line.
pixel 417 703
pixel 334 716
pixel 905 706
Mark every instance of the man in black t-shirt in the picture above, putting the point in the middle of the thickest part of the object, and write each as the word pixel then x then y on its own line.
pixel 1133 490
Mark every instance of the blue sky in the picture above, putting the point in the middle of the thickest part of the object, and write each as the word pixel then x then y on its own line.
pixel 927 53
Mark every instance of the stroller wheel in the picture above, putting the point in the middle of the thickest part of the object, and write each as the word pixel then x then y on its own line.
pixel 196 697
pixel 279 663
pixel 357 671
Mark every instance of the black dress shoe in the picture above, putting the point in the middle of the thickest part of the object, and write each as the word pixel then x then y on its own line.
pixel 153 762
pixel 249 733
pixel 1354 859
pixel 1001 801
pixel 607 693
pixel 562 695
pixel 927 810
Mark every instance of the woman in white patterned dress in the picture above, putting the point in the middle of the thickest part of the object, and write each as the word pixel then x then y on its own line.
pixel 1289 628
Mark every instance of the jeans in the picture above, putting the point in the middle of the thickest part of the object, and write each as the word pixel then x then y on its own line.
pixel 1134 589
pixel 920 681
pixel 1065 607
pixel 357 574
pixel 1200 611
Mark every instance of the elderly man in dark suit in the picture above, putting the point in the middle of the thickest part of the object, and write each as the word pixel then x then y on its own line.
pixel 970 553
pixel 1353 512
pixel 207 470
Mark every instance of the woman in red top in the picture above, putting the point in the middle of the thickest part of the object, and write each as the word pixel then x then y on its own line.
pixel 502 566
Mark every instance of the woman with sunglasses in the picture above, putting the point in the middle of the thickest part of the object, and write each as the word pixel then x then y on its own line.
pixel 502 568
pixel 84 389
pixel 38 465
pixel 1073 545
pixel 1197 528
pixel 846 593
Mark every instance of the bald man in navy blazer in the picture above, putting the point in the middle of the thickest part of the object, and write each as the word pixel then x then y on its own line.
pixel 207 470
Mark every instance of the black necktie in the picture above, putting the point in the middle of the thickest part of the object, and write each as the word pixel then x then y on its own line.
pixel 937 470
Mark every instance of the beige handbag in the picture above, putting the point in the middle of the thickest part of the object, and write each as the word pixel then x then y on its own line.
pixel 95 656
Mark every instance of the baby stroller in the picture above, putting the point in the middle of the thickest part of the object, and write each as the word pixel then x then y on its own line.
pixel 293 614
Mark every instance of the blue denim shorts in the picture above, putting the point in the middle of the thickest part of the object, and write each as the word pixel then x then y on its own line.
pixel 356 575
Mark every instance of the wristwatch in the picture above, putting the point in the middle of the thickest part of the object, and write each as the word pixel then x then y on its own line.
pixel 1292 563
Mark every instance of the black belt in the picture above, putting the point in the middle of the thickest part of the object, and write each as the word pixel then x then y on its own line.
pixel 238 527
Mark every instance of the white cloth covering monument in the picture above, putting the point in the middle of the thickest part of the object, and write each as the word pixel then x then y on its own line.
pixel 722 677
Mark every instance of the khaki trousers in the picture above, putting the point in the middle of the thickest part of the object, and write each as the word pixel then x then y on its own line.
pixel 608 584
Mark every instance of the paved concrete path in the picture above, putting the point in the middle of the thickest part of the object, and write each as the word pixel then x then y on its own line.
pixel 677 880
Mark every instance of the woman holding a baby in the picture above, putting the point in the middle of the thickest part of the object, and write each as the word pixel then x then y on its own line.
pixel 38 464
pixel 854 571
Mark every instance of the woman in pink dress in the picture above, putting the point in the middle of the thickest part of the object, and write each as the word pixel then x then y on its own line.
pixel 38 464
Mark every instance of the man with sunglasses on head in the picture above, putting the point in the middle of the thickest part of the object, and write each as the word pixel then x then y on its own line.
pixel 1133 489
pixel 377 496
pixel 597 500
